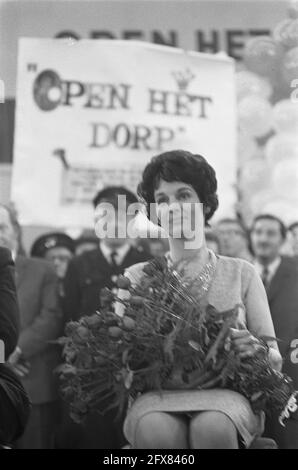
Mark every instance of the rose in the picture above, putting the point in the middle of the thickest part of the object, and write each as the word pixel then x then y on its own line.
pixel 128 323
pixel 123 282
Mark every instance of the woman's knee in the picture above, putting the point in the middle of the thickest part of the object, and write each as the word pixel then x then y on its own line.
pixel 161 431
pixel 213 429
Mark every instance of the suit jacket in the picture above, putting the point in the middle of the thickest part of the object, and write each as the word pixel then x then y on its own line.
pixel 87 274
pixel 14 403
pixel 283 301
pixel 14 406
pixel 9 311
pixel 41 322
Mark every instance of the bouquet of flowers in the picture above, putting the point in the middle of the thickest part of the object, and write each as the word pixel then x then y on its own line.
pixel 165 341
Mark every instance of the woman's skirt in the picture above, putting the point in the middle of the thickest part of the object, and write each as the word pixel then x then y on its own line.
pixel 232 404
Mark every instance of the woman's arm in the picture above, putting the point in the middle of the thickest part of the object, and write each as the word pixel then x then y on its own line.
pixel 259 321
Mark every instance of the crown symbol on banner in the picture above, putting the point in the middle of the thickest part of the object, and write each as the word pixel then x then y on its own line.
pixel 183 78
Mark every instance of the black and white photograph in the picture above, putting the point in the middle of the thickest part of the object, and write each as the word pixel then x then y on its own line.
pixel 148 227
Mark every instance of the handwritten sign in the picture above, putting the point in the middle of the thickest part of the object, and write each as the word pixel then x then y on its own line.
pixel 92 113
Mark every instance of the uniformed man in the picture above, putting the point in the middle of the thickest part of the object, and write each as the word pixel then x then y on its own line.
pixel 57 248
pixel 35 356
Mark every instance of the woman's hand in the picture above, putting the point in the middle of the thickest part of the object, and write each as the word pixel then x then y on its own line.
pixel 18 363
pixel 244 343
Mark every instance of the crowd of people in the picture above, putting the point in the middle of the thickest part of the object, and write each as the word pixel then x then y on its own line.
pixel 60 281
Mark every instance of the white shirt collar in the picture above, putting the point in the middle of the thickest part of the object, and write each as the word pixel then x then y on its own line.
pixel 121 251
pixel 14 255
pixel 272 267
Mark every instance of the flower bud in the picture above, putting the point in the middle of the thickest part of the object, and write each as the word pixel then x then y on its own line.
pixel 82 333
pixel 106 296
pixel 70 355
pixel 123 282
pixel 68 392
pixel 100 360
pixel 93 320
pixel 115 331
pixel 66 370
pixel 128 323
pixel 136 300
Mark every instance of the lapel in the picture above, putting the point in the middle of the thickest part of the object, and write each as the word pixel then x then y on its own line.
pixel 128 260
pixel 20 271
pixel 99 261
pixel 279 279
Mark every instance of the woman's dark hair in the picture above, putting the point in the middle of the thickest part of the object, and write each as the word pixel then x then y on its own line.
pixel 180 165
pixel 211 237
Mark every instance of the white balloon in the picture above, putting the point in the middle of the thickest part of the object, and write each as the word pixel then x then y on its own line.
pixel 247 148
pixel 281 208
pixel 259 200
pixel 285 179
pixel 285 116
pixel 254 175
pixel 281 147
pixel 289 66
pixel 255 116
pixel 293 9
pixel 249 83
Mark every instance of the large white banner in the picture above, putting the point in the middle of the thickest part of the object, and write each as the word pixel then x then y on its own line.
pixel 92 113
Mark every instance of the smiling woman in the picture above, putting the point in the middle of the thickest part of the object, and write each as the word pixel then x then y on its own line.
pixel 214 418
pixel 180 211
pixel 188 178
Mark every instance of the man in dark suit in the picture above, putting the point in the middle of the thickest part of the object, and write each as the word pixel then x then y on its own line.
pixel 280 277
pixel 34 359
pixel 14 403
pixel 87 274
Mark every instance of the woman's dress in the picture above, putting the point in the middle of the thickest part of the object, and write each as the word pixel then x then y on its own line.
pixel 233 282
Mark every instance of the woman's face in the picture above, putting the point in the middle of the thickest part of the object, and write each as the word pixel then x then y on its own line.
pixel 179 209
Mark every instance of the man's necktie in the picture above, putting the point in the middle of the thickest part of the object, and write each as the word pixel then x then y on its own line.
pixel 265 277
pixel 113 258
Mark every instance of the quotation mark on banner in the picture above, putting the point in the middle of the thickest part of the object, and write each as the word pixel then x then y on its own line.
pixel 32 67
